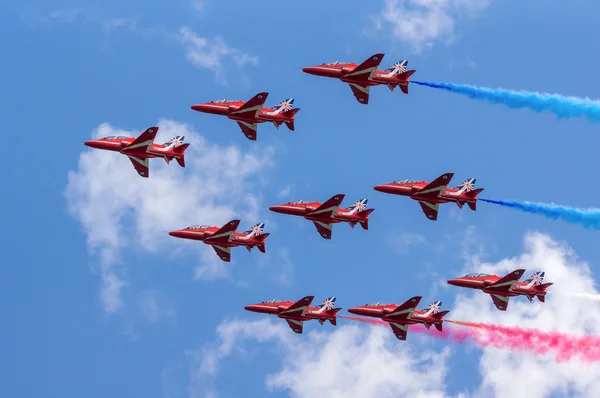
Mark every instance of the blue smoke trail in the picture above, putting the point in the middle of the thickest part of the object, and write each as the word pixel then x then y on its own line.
pixel 561 106
pixel 587 217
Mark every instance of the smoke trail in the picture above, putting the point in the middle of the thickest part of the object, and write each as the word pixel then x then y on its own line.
pixel 593 297
pixel 564 346
pixel 587 217
pixel 561 106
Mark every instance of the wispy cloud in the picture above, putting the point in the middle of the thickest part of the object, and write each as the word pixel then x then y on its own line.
pixel 213 53
pixel 285 191
pixel 117 208
pixel 403 241
pixel 421 23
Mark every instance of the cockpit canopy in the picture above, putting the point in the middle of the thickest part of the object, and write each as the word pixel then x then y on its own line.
pixel 115 137
pixel 331 63
pixel 269 302
pixel 404 182
pixel 198 227
pixel 476 275
pixel 218 101
pixel 296 202
pixel 372 305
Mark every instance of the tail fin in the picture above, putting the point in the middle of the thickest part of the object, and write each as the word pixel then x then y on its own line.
pixel 466 186
pixel 358 206
pixel 327 304
pixel 284 105
pixel 544 286
pixel 255 230
pixel 365 221
pixel 180 150
pixel 537 279
pixel 289 115
pixel 433 308
pixel 399 67
pixel 174 142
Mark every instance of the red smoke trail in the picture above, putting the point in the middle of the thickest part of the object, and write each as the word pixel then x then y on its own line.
pixel 564 346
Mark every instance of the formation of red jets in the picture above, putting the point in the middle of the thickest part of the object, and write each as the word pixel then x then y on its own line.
pixel 400 317
pixel 248 114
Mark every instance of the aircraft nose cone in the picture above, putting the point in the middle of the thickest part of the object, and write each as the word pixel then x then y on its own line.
pixel 276 209
pixel 310 69
pixel 352 310
pixel 380 188
pixel 176 234
pixel 91 144
pixel 454 282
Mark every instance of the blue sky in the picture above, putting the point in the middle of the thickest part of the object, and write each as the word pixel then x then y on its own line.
pixel 99 301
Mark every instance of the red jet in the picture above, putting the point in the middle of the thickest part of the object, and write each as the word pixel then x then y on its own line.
pixel 400 316
pixel 224 238
pixel 329 213
pixel 430 195
pixel 248 114
pixel 362 77
pixel 502 288
pixel 140 149
pixel 296 313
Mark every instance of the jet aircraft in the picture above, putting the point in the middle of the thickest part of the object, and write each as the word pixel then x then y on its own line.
pixel 224 238
pixel 296 313
pixel 502 288
pixel 362 77
pixel 400 316
pixel 248 114
pixel 326 214
pixel 430 195
pixel 142 148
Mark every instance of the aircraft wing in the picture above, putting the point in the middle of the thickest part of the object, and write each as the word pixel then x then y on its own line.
pixel 325 229
pixel 224 233
pixel 506 283
pixel 404 310
pixel 430 209
pixel 361 92
pixel 252 108
pixel 330 206
pixel 143 142
pixel 296 326
pixel 501 302
pixel 140 165
pixel 249 130
pixel 435 188
pixel 399 330
pixel 366 70
pixel 224 253
pixel 298 308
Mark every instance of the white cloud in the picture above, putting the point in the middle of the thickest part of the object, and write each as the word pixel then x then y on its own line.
pixel 118 208
pixel 350 361
pixel 285 191
pixel 403 241
pixel 213 53
pixel 198 5
pixel 561 311
pixel 421 22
